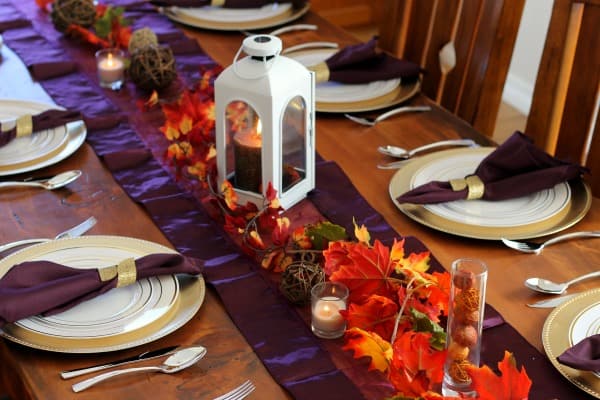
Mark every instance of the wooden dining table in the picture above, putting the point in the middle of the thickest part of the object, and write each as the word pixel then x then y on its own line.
pixel 28 373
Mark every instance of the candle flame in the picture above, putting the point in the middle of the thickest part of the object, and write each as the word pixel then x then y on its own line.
pixel 259 128
pixel 109 60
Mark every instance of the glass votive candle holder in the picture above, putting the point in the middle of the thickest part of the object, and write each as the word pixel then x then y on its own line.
pixel 327 299
pixel 465 324
pixel 111 68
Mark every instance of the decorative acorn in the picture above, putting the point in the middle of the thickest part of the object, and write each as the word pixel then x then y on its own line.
pixel 67 12
pixel 298 279
pixel 140 38
pixel 152 67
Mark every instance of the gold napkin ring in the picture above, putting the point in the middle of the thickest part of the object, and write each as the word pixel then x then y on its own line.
pixel 321 71
pixel 473 183
pixel 125 272
pixel 24 126
pixel 217 3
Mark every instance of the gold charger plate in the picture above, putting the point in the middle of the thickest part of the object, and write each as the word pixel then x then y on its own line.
pixel 190 296
pixel 281 19
pixel 578 206
pixel 399 95
pixel 578 317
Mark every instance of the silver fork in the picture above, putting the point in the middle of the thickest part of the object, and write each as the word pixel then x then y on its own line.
pixel 536 248
pixel 75 231
pixel 399 110
pixel 239 392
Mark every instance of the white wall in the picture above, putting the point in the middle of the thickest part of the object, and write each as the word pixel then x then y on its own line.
pixel 520 81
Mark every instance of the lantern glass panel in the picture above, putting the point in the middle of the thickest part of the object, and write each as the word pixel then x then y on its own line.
pixel 293 143
pixel 244 146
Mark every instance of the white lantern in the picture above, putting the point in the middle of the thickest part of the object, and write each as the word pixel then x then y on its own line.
pixel 264 110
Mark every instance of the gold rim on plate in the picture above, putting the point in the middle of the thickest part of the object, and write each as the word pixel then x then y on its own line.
pixel 400 183
pixel 74 137
pixel 557 333
pixel 191 296
pixel 262 23
pixel 399 95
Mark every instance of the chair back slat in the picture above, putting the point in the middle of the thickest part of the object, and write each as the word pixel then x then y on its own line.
pixel 483 33
pixel 564 112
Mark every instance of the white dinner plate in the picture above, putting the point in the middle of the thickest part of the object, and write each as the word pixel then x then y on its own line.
pixel 506 213
pixel 538 214
pixel 334 92
pixel 124 310
pixel 237 15
pixel 118 319
pixel 39 149
pixel 566 326
pixel 222 19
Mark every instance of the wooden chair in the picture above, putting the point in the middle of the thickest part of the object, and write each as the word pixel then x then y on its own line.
pixel 483 32
pixel 564 112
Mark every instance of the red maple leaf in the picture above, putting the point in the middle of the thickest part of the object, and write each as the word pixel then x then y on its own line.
pixel 365 270
pixel 377 314
pixel 512 384
pixel 43 4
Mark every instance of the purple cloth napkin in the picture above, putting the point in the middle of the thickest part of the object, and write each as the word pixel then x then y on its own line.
pixel 45 287
pixel 44 120
pixel 361 63
pixel 585 355
pixel 516 168
pixel 46 70
pixel 227 4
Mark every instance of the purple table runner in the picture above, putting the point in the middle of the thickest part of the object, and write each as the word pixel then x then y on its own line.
pixel 133 147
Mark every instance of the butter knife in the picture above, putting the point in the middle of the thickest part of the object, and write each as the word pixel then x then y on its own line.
pixel 553 302
pixel 147 355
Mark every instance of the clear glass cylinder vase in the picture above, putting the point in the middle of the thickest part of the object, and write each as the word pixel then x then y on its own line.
pixel 465 323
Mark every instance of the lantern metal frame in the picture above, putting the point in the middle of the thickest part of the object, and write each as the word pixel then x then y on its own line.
pixel 267 82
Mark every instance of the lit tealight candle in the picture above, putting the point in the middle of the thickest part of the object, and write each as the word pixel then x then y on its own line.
pixel 111 68
pixel 328 298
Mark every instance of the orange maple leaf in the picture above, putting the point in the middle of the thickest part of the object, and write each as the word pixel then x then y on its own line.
pixel 281 233
pixel 369 344
pixel 416 367
pixel 377 314
pixel 512 384
pixel 361 233
pixel 229 194
pixel 86 35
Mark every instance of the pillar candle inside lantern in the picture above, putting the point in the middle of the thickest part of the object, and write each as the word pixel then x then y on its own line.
pixel 248 162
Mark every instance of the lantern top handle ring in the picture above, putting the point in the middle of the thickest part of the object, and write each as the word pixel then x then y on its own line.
pixel 262 48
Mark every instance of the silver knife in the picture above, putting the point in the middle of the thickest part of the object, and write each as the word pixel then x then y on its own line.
pixel 550 303
pixel 147 355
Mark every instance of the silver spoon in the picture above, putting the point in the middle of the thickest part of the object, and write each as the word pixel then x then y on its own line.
pixel 179 360
pixel 399 152
pixel 549 287
pixel 58 181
